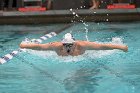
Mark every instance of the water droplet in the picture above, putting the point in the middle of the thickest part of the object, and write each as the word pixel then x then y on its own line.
pixel 71 9
pixel 73 13
pixel 106 19
pixel 77 15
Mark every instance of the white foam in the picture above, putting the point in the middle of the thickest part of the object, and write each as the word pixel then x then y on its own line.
pixel 99 53
pixel 117 40
pixel 71 58
pixel 90 53
pixel 44 54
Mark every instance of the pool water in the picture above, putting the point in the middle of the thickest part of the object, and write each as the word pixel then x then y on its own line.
pixel 111 71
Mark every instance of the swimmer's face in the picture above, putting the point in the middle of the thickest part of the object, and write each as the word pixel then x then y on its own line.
pixel 68 45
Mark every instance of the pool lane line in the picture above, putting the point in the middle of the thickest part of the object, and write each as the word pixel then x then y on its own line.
pixel 14 53
pixel 51 76
pixel 117 74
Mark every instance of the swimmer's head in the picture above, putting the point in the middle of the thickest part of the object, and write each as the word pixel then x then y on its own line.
pixel 68 39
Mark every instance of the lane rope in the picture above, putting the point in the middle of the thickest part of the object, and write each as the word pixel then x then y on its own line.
pixel 11 55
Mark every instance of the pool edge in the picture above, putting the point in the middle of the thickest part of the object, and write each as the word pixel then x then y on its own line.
pixel 66 16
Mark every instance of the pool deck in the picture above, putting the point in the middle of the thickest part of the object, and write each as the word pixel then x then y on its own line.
pixel 66 16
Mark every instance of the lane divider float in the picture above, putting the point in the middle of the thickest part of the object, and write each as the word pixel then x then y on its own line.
pixel 14 53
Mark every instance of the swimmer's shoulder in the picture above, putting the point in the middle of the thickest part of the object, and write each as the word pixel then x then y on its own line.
pixel 80 43
pixel 84 43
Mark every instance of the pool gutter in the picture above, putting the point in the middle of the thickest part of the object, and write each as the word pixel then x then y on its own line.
pixel 66 16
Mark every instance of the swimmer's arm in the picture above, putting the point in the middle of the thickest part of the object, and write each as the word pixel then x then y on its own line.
pixel 34 46
pixel 98 46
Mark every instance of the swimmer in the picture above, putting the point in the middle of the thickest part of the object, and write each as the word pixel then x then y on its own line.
pixel 70 46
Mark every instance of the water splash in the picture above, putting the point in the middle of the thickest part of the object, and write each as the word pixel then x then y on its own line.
pixel 117 40
pixel 86 35
pixel 43 54
pixel 81 20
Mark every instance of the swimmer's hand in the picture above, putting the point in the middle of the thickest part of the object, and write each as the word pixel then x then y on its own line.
pixel 125 48
pixel 22 44
pixel 26 43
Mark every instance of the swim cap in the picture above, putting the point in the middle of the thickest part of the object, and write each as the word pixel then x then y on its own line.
pixel 68 38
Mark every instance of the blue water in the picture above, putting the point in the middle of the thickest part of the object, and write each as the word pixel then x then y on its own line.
pixel 111 71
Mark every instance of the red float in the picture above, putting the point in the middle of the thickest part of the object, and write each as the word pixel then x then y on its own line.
pixel 121 6
pixel 27 9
